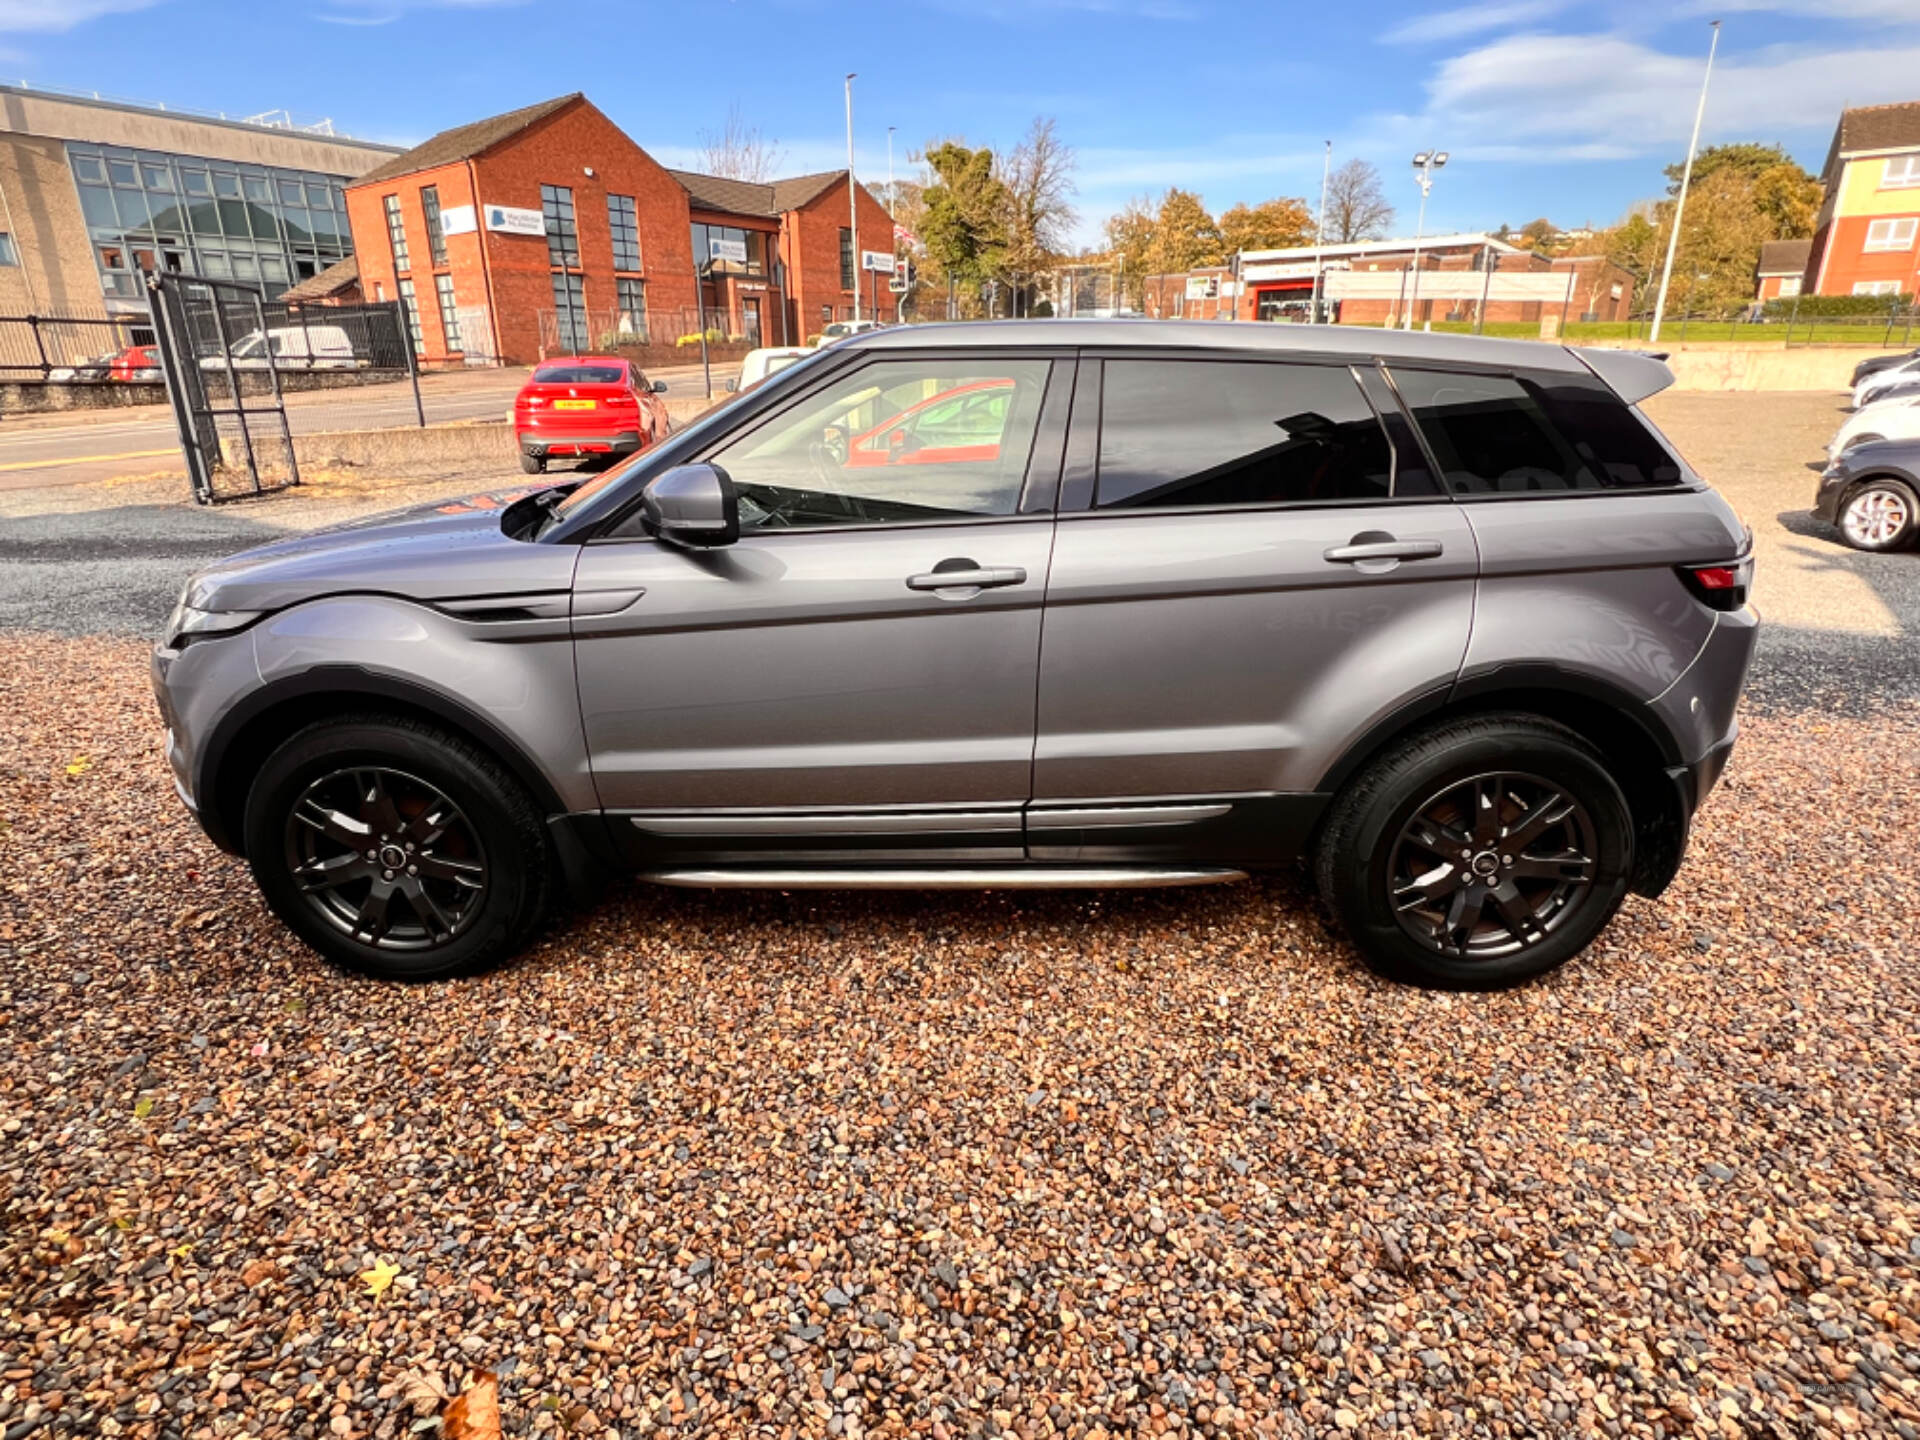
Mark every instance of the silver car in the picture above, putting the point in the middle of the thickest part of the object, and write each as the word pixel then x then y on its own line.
pixel 1066 603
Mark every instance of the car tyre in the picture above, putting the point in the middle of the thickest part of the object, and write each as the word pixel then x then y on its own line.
pixel 1879 515
pixel 396 849
pixel 1478 854
pixel 533 464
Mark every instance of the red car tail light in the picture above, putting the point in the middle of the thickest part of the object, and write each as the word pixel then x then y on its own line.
pixel 1723 585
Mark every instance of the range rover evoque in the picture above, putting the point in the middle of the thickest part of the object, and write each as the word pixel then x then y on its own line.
pixel 1053 603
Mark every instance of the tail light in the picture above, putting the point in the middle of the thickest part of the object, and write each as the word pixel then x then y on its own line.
pixel 623 400
pixel 530 401
pixel 1723 585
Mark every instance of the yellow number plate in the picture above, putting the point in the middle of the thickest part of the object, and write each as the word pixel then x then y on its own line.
pixel 573 404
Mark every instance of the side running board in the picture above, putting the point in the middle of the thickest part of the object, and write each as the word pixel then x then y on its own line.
pixel 978 877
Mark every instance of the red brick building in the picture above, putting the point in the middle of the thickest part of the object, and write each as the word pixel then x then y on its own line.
pixel 1782 265
pixel 547 230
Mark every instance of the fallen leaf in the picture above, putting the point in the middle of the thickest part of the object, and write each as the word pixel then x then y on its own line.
pixel 423 1390
pixel 143 1107
pixel 79 766
pixel 475 1415
pixel 379 1278
pixel 182 1250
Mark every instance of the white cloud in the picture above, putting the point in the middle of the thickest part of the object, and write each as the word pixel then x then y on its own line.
pixel 46 17
pixel 1897 12
pixel 385 12
pixel 1604 97
pixel 1444 25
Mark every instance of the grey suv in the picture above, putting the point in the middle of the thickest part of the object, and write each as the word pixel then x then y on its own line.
pixel 1058 603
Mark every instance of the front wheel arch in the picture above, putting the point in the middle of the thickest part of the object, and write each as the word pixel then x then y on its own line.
pixel 252 730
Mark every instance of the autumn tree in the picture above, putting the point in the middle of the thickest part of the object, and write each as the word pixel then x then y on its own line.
pixel 1780 187
pixel 1129 234
pixel 738 151
pixel 1184 235
pixel 1272 225
pixel 1357 207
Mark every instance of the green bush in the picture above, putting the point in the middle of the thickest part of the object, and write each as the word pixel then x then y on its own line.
pixel 1822 306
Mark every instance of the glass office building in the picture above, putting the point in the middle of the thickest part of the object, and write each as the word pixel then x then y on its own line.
pixel 147 210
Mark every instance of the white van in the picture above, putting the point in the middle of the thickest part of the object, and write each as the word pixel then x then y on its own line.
pixel 759 364
pixel 298 347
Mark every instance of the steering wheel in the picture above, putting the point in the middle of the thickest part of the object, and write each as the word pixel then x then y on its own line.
pixel 836 442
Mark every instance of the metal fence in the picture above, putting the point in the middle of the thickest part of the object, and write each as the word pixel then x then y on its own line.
pixel 75 349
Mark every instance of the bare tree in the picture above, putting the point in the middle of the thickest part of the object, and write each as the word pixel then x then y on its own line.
pixel 1038 176
pixel 739 151
pixel 1357 207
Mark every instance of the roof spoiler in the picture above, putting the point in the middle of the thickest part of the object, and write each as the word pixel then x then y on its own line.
pixel 1633 375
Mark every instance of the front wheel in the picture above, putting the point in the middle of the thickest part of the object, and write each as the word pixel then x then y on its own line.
pixel 396 849
pixel 1880 515
pixel 1479 854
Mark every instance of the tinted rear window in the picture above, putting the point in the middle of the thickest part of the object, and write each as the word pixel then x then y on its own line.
pixel 1545 433
pixel 1221 432
pixel 580 374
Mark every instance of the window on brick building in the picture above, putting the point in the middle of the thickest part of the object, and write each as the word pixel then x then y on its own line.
pixel 449 313
pixel 396 232
pixel 563 241
pixel 8 254
pixel 624 222
pixel 411 305
pixel 846 258
pixel 436 236
pixel 631 297
pixel 570 311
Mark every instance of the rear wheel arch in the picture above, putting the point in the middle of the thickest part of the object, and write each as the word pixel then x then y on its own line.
pixel 250 732
pixel 1639 751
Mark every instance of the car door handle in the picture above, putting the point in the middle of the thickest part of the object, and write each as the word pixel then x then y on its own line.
pixel 1389 549
pixel 967 576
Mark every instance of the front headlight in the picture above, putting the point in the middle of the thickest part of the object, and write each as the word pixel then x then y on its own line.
pixel 188 624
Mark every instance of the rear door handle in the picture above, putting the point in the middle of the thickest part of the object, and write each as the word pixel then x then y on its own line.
pixel 1363 550
pixel 967 576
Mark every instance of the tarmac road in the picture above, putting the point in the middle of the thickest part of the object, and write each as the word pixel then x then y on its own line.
pixel 78 446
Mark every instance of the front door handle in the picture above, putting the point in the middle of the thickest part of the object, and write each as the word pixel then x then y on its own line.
pixel 965 575
pixel 1386 548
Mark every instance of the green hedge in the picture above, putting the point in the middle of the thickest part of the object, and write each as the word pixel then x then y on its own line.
pixel 1818 306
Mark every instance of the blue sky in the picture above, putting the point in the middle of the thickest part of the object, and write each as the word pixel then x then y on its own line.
pixel 1546 106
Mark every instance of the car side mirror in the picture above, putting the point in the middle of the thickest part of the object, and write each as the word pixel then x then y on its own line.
pixel 659 387
pixel 694 506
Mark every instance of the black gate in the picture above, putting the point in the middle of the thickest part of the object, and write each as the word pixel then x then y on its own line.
pixel 223 381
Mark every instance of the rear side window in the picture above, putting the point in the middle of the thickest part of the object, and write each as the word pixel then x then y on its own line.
pixel 580 374
pixel 1224 432
pixel 1545 434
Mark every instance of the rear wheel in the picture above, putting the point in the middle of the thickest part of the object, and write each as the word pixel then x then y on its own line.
pixel 533 464
pixel 396 849
pixel 1479 854
pixel 1880 515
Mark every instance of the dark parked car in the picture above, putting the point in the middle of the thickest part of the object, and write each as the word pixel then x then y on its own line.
pixel 1872 493
pixel 1165 603
pixel 1875 363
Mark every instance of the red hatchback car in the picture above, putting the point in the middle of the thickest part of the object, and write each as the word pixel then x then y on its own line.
pixel 587 405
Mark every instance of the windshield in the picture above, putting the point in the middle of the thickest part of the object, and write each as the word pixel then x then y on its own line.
pixel 578 375
pixel 607 479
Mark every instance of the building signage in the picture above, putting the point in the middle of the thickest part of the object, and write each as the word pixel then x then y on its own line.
pixel 877 260
pixel 731 250
pixel 508 221
pixel 1202 287
pixel 458 220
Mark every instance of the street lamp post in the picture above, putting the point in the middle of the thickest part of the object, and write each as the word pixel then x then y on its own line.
pixel 1320 238
pixel 853 203
pixel 1424 164
pixel 1686 179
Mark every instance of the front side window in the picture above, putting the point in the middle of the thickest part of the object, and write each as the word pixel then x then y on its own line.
pixel 896 441
pixel 396 232
pixel 1892 234
pixel 436 235
pixel 1229 432
pixel 1547 433
pixel 563 240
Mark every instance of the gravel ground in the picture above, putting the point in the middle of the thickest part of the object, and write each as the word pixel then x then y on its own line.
pixel 985 1165
pixel 998 1165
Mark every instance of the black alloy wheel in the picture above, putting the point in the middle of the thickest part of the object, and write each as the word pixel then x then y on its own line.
pixel 386 858
pixel 1491 865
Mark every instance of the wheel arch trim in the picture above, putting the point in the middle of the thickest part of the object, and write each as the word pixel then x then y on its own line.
pixel 344 687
